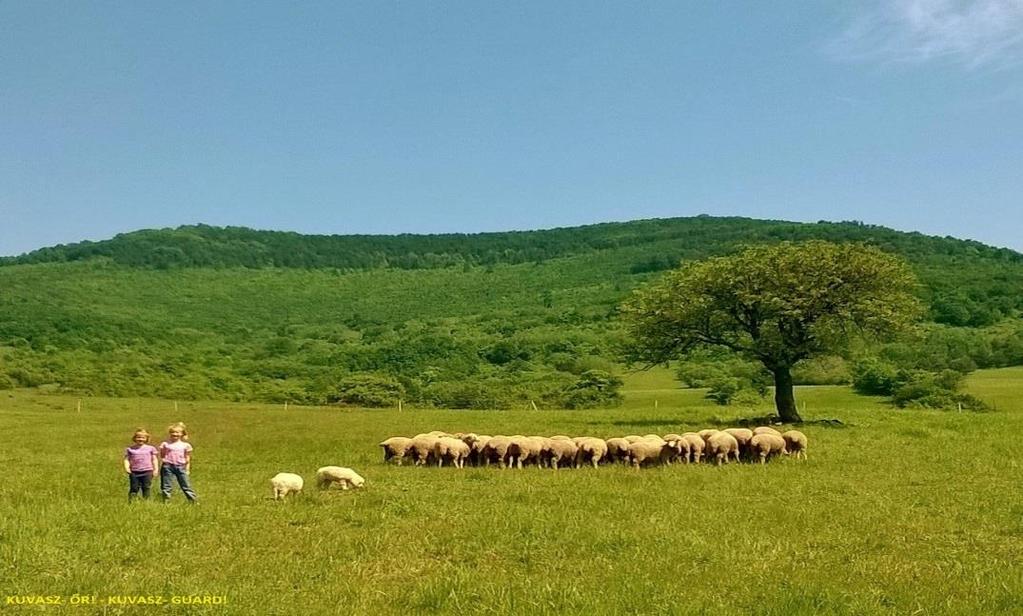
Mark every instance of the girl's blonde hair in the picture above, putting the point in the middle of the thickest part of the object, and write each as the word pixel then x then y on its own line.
pixel 142 432
pixel 179 426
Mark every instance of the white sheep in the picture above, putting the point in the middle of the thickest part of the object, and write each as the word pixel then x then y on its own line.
pixel 559 450
pixel 618 450
pixel 286 483
pixel 765 444
pixel 421 448
pixel 652 450
pixel 695 444
pixel 795 442
pixel 720 445
pixel 450 448
pixel 345 477
pixel 396 447
pixel 592 450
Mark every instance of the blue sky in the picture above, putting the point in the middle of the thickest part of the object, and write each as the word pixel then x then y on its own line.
pixel 383 117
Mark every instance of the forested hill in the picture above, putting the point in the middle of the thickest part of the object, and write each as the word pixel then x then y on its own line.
pixel 696 237
pixel 486 320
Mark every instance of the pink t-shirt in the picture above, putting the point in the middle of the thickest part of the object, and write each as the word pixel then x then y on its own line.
pixel 140 458
pixel 174 453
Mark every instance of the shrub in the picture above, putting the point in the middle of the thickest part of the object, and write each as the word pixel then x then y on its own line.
pixel 876 377
pixel 368 390
pixel 470 395
pixel 723 389
pixel 824 370
pixel 936 390
pixel 594 389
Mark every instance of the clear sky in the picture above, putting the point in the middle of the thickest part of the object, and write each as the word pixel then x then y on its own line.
pixel 425 117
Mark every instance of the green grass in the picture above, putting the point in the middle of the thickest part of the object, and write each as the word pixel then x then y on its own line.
pixel 899 511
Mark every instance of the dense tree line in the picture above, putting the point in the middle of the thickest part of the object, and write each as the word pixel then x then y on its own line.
pixel 454 320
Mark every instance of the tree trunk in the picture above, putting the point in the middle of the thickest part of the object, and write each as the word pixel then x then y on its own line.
pixel 784 398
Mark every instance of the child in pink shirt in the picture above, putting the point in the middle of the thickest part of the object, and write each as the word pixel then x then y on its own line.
pixel 140 462
pixel 176 461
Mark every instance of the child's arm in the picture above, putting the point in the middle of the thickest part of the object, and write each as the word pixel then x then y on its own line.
pixel 156 462
pixel 127 465
pixel 188 461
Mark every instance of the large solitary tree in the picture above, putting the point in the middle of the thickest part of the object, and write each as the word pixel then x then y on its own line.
pixel 777 304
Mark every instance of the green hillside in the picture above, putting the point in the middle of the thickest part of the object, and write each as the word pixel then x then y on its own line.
pixel 455 320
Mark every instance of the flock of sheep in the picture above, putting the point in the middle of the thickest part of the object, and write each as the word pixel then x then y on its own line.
pixel 563 451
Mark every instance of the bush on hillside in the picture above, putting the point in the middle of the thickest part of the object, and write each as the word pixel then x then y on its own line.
pixel 368 390
pixel 594 389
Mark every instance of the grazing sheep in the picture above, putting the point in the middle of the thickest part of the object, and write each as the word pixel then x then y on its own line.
pixel 618 450
pixel 476 449
pixel 679 448
pixel 396 447
pixel 450 448
pixel 651 450
pixel 496 450
pixel 592 450
pixel 632 438
pixel 795 442
pixel 720 445
pixel 286 483
pixel 524 449
pixel 765 430
pixel 653 436
pixel 764 445
pixel 696 446
pixel 421 448
pixel 345 477
pixel 743 435
pixel 560 450
pixel 561 437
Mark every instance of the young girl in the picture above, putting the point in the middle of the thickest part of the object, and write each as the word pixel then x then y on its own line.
pixel 140 462
pixel 176 461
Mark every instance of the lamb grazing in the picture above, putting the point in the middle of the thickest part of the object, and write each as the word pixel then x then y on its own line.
pixel 592 450
pixel 765 430
pixel 561 437
pixel 764 445
pixel 421 448
pixel 651 450
pixel 449 448
pixel 344 477
pixel 632 438
pixel 286 483
pixel 396 447
pixel 696 446
pixel 618 450
pixel 560 450
pixel 721 445
pixel 795 442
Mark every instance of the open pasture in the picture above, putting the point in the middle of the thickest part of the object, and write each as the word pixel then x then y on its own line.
pixel 899 511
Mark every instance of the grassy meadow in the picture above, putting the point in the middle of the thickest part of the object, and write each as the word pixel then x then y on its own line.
pixel 895 512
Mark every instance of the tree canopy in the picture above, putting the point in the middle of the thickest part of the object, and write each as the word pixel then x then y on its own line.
pixel 777 304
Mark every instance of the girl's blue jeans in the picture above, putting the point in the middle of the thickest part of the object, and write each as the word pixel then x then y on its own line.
pixel 167 471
